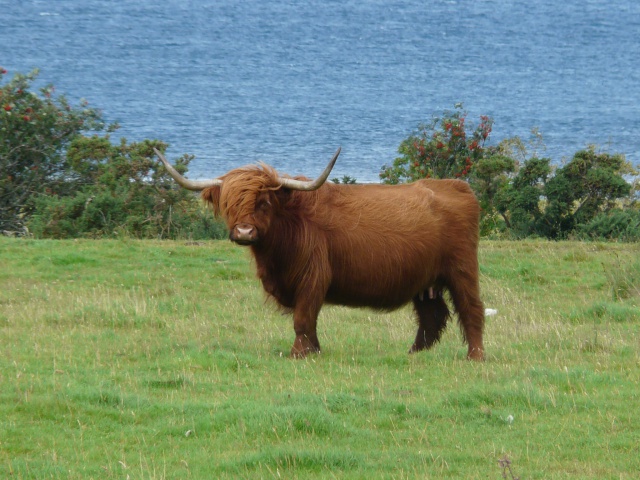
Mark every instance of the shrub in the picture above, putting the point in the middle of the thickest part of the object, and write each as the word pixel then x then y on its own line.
pixel 489 179
pixel 589 184
pixel 520 202
pixel 62 183
pixel 34 133
pixel 448 147
pixel 623 225
pixel 346 180
pixel 519 193
pixel 121 190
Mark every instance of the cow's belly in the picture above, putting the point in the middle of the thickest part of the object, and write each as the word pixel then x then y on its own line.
pixel 382 301
pixel 384 278
pixel 387 292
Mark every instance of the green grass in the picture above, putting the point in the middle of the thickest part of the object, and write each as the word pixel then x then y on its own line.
pixel 152 360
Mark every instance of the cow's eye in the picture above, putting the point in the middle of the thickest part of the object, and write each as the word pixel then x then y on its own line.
pixel 263 205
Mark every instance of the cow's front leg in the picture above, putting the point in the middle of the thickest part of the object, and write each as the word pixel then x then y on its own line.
pixel 310 291
pixel 305 319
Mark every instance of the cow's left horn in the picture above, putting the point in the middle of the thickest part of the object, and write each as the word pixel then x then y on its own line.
pixel 195 185
pixel 311 184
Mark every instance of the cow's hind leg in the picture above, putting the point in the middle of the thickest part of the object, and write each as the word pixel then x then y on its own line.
pixel 432 313
pixel 465 293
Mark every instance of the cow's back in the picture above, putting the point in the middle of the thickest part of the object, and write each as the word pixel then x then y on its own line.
pixel 386 242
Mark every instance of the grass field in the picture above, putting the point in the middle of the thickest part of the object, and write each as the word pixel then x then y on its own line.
pixel 153 360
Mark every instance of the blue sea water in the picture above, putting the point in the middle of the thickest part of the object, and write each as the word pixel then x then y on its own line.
pixel 287 82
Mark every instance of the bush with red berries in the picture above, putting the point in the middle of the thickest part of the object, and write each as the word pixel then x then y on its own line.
pixel 522 195
pixel 447 147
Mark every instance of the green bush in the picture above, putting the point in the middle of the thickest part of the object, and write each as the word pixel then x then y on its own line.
pixel 35 131
pixel 519 193
pixel 489 179
pixel 540 202
pixel 345 180
pixel 590 184
pixel 57 182
pixel 623 225
pixel 520 202
pixel 122 190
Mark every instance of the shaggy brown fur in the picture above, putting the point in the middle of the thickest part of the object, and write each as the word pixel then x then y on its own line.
pixel 378 246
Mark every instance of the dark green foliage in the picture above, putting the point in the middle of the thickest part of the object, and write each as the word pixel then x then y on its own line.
pixel 57 182
pixel 489 178
pixel 613 225
pixel 34 133
pixel 520 195
pixel 585 187
pixel 346 179
pixel 519 202
pixel 563 204
pixel 121 190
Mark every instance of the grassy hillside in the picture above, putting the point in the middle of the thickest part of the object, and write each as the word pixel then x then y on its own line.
pixel 152 360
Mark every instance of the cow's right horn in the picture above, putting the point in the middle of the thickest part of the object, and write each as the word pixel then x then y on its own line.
pixel 195 185
pixel 312 184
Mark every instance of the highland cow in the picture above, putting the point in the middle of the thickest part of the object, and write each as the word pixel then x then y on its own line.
pixel 378 246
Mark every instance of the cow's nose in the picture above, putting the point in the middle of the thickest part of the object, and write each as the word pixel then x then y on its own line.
pixel 244 234
pixel 245 230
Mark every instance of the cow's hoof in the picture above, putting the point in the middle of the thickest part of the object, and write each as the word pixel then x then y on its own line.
pixel 302 347
pixel 476 354
pixel 303 353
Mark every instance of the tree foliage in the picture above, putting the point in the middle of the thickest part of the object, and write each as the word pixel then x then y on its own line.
pixel 447 147
pixel 121 190
pixel 520 192
pixel 519 202
pixel 34 133
pixel 489 179
pixel 59 179
pixel 589 184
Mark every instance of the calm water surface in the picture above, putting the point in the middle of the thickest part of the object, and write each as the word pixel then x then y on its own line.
pixel 287 82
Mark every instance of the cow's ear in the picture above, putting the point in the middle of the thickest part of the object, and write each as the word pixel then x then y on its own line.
pixel 211 195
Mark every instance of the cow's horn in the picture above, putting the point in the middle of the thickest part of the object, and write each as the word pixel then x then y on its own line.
pixel 195 185
pixel 311 184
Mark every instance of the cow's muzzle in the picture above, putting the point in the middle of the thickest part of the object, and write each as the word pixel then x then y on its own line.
pixel 244 234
